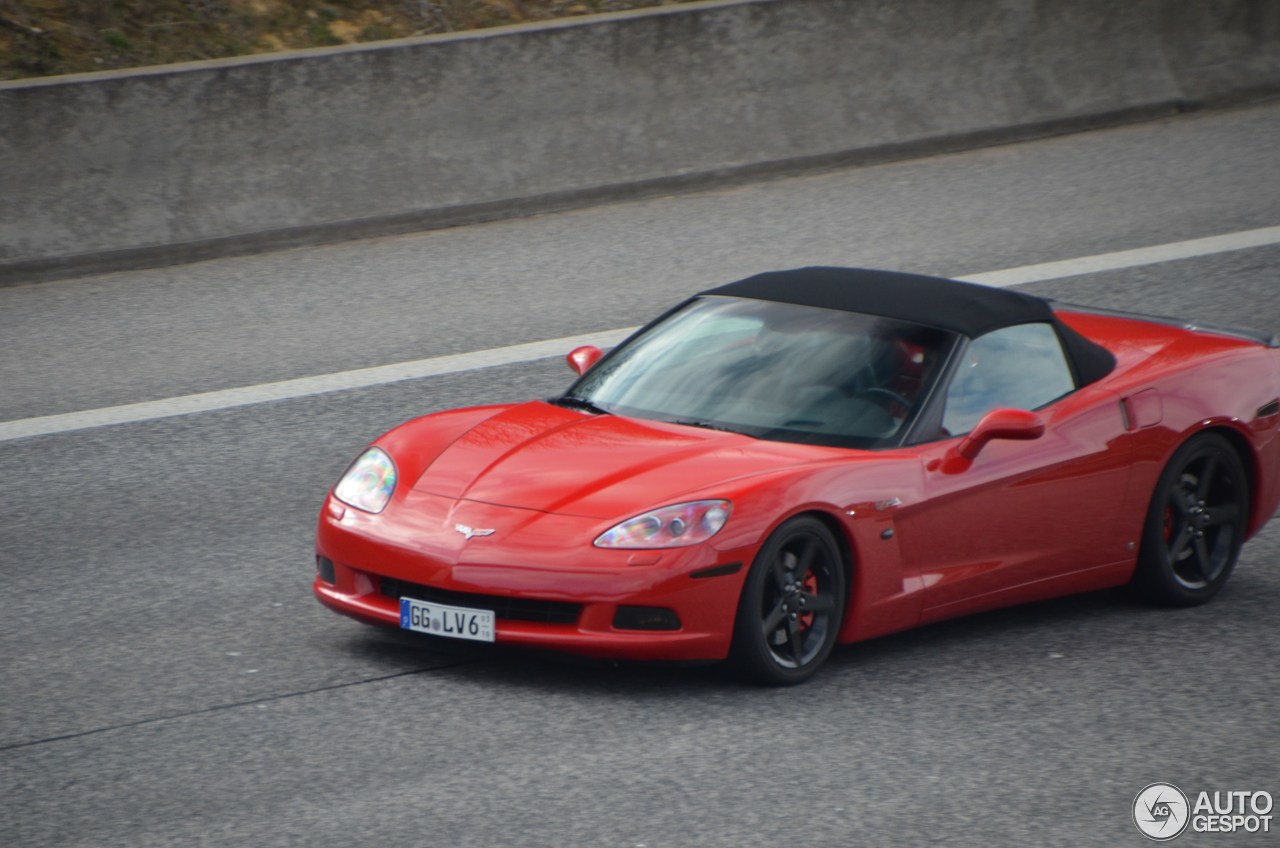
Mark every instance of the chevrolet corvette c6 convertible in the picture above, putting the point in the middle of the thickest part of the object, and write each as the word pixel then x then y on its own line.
pixel 812 457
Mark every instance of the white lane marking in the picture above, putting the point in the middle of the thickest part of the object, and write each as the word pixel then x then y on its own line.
pixel 1242 240
pixel 514 354
pixel 303 386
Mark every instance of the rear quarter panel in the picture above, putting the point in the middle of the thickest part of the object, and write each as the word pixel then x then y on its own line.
pixel 1175 383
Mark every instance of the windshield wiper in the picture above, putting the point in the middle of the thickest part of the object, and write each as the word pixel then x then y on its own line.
pixel 706 425
pixel 575 402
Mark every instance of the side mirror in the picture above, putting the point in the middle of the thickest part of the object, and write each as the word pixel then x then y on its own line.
pixel 581 359
pixel 1015 424
pixel 1012 424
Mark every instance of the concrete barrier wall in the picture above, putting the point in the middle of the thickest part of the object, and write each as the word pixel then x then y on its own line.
pixel 99 171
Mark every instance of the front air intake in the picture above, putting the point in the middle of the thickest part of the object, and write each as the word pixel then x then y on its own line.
pixel 509 608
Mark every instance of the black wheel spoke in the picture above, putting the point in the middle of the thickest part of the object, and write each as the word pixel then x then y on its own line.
pixel 795 637
pixel 819 604
pixel 1204 562
pixel 781 572
pixel 1207 471
pixel 805 561
pixel 1178 546
pixel 1223 514
pixel 773 620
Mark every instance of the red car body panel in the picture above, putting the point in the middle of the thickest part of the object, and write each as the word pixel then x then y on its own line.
pixel 929 535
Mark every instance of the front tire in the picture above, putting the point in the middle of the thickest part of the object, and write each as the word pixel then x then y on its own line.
pixel 1195 525
pixel 792 605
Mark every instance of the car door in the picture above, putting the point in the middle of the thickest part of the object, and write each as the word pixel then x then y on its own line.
pixel 1004 526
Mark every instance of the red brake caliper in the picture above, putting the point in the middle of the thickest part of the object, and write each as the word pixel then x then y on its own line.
pixel 810 585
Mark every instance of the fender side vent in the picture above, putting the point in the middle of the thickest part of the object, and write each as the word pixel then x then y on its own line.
pixel 1270 409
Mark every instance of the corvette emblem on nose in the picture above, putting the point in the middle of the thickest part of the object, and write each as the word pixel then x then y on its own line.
pixel 469 531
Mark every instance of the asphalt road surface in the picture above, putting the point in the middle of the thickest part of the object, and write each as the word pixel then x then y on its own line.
pixel 167 679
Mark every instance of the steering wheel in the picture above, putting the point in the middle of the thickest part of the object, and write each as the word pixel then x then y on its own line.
pixel 882 394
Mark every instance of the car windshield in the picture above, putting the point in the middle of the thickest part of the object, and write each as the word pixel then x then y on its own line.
pixel 774 371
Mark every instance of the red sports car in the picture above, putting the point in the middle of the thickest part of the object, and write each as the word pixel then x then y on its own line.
pixel 810 457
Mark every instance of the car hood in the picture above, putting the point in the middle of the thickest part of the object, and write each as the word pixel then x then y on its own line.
pixel 548 458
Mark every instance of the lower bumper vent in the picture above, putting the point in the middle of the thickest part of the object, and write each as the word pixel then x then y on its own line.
pixel 512 609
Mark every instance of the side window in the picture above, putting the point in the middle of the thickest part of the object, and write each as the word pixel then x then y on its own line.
pixel 1021 367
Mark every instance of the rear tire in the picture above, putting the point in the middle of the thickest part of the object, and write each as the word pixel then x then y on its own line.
pixel 1194 526
pixel 792 605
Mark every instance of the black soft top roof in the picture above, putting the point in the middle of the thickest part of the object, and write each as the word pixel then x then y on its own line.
pixel 966 308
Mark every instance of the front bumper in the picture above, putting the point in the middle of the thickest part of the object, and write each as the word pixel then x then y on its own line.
pixel 549 587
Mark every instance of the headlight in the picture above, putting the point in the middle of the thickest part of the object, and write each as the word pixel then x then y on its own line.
pixel 670 527
pixel 369 481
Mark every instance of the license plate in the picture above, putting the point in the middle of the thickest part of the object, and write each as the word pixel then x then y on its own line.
pixel 442 620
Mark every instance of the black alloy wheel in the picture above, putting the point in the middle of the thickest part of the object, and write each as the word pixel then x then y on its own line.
pixel 791 606
pixel 1195 524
